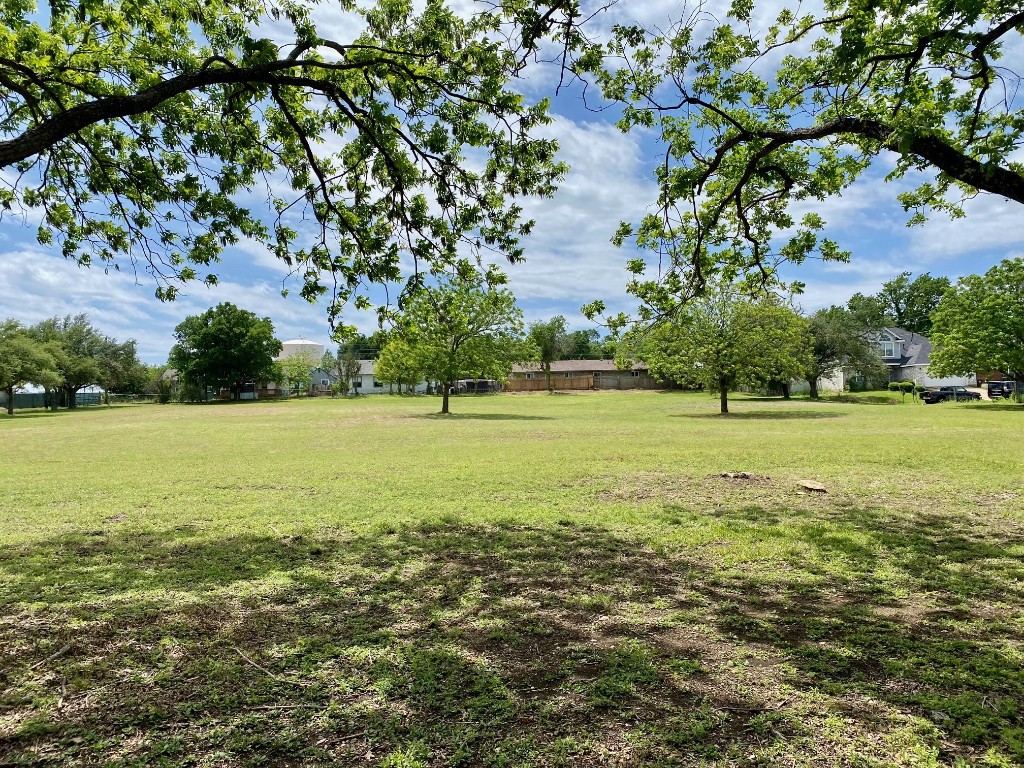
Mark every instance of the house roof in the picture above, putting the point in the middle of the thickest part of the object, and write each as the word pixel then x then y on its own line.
pixel 915 349
pixel 577 366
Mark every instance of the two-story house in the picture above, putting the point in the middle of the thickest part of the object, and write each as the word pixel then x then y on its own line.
pixel 907 356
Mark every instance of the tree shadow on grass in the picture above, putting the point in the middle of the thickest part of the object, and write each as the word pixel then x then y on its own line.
pixel 479 417
pixel 780 415
pixel 457 644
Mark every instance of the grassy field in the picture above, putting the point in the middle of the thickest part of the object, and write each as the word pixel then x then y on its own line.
pixel 537 580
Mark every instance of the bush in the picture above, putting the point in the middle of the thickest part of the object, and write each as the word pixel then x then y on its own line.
pixel 904 386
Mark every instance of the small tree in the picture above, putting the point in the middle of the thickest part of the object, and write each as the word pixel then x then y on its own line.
pixel 466 326
pixel 349 369
pixel 224 347
pixel 297 370
pixel 550 340
pixel 979 324
pixel 724 340
pixel 399 364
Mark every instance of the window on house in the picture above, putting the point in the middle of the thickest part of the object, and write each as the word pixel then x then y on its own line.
pixel 567 374
pixel 531 375
pixel 357 383
pixel 635 374
pixel 888 348
pixel 324 382
pixel 597 374
pixel 377 384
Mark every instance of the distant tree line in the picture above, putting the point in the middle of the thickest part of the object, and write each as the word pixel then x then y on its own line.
pixel 64 355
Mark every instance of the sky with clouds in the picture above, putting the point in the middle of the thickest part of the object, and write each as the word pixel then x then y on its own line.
pixel 570 259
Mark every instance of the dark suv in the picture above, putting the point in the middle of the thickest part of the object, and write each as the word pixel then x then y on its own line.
pixel 942 394
pixel 1001 389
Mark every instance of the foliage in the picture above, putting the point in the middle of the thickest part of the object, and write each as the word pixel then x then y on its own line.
pixel 121 371
pixel 550 342
pixel 979 324
pixel 24 360
pixel 224 347
pixel 585 345
pixel 348 370
pixel 172 119
pixel 399 364
pixel 296 370
pixel 362 346
pixel 329 361
pixel 869 313
pixel 465 327
pixel 757 125
pixel 911 302
pixel 905 386
pixel 86 357
pixel 838 342
pixel 724 340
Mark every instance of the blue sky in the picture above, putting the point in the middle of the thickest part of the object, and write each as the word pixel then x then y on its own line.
pixel 570 260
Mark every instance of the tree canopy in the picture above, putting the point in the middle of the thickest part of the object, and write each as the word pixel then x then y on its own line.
pixel 979 324
pixel 24 360
pixel 153 134
pixel 758 123
pixel 723 340
pixel 85 357
pixel 224 347
pixel 465 327
pixel 839 342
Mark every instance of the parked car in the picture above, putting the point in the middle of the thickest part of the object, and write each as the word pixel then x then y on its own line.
pixel 942 394
pixel 1001 389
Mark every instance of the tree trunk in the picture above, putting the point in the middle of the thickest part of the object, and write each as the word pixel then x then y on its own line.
pixel 10 401
pixel 723 396
pixel 72 396
pixel 785 390
pixel 813 383
pixel 547 375
pixel 444 397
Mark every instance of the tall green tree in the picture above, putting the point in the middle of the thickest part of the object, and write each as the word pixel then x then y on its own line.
pixel 24 360
pixel 724 340
pixel 869 313
pixel 911 302
pixel 466 327
pixel 81 351
pixel 170 117
pixel 550 342
pixel 121 371
pixel 757 118
pixel 979 324
pixel 224 347
pixel 839 342
pixel 584 345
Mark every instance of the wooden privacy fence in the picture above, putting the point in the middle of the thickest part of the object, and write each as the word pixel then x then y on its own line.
pixel 557 382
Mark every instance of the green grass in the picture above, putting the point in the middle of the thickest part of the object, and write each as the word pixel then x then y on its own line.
pixel 534 581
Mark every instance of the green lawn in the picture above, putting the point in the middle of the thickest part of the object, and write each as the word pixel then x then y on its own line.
pixel 536 580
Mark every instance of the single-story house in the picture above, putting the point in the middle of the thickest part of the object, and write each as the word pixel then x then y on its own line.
pixel 580 374
pixel 367 384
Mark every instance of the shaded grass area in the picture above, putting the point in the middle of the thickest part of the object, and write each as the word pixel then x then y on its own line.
pixel 614 609
pixel 461 644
